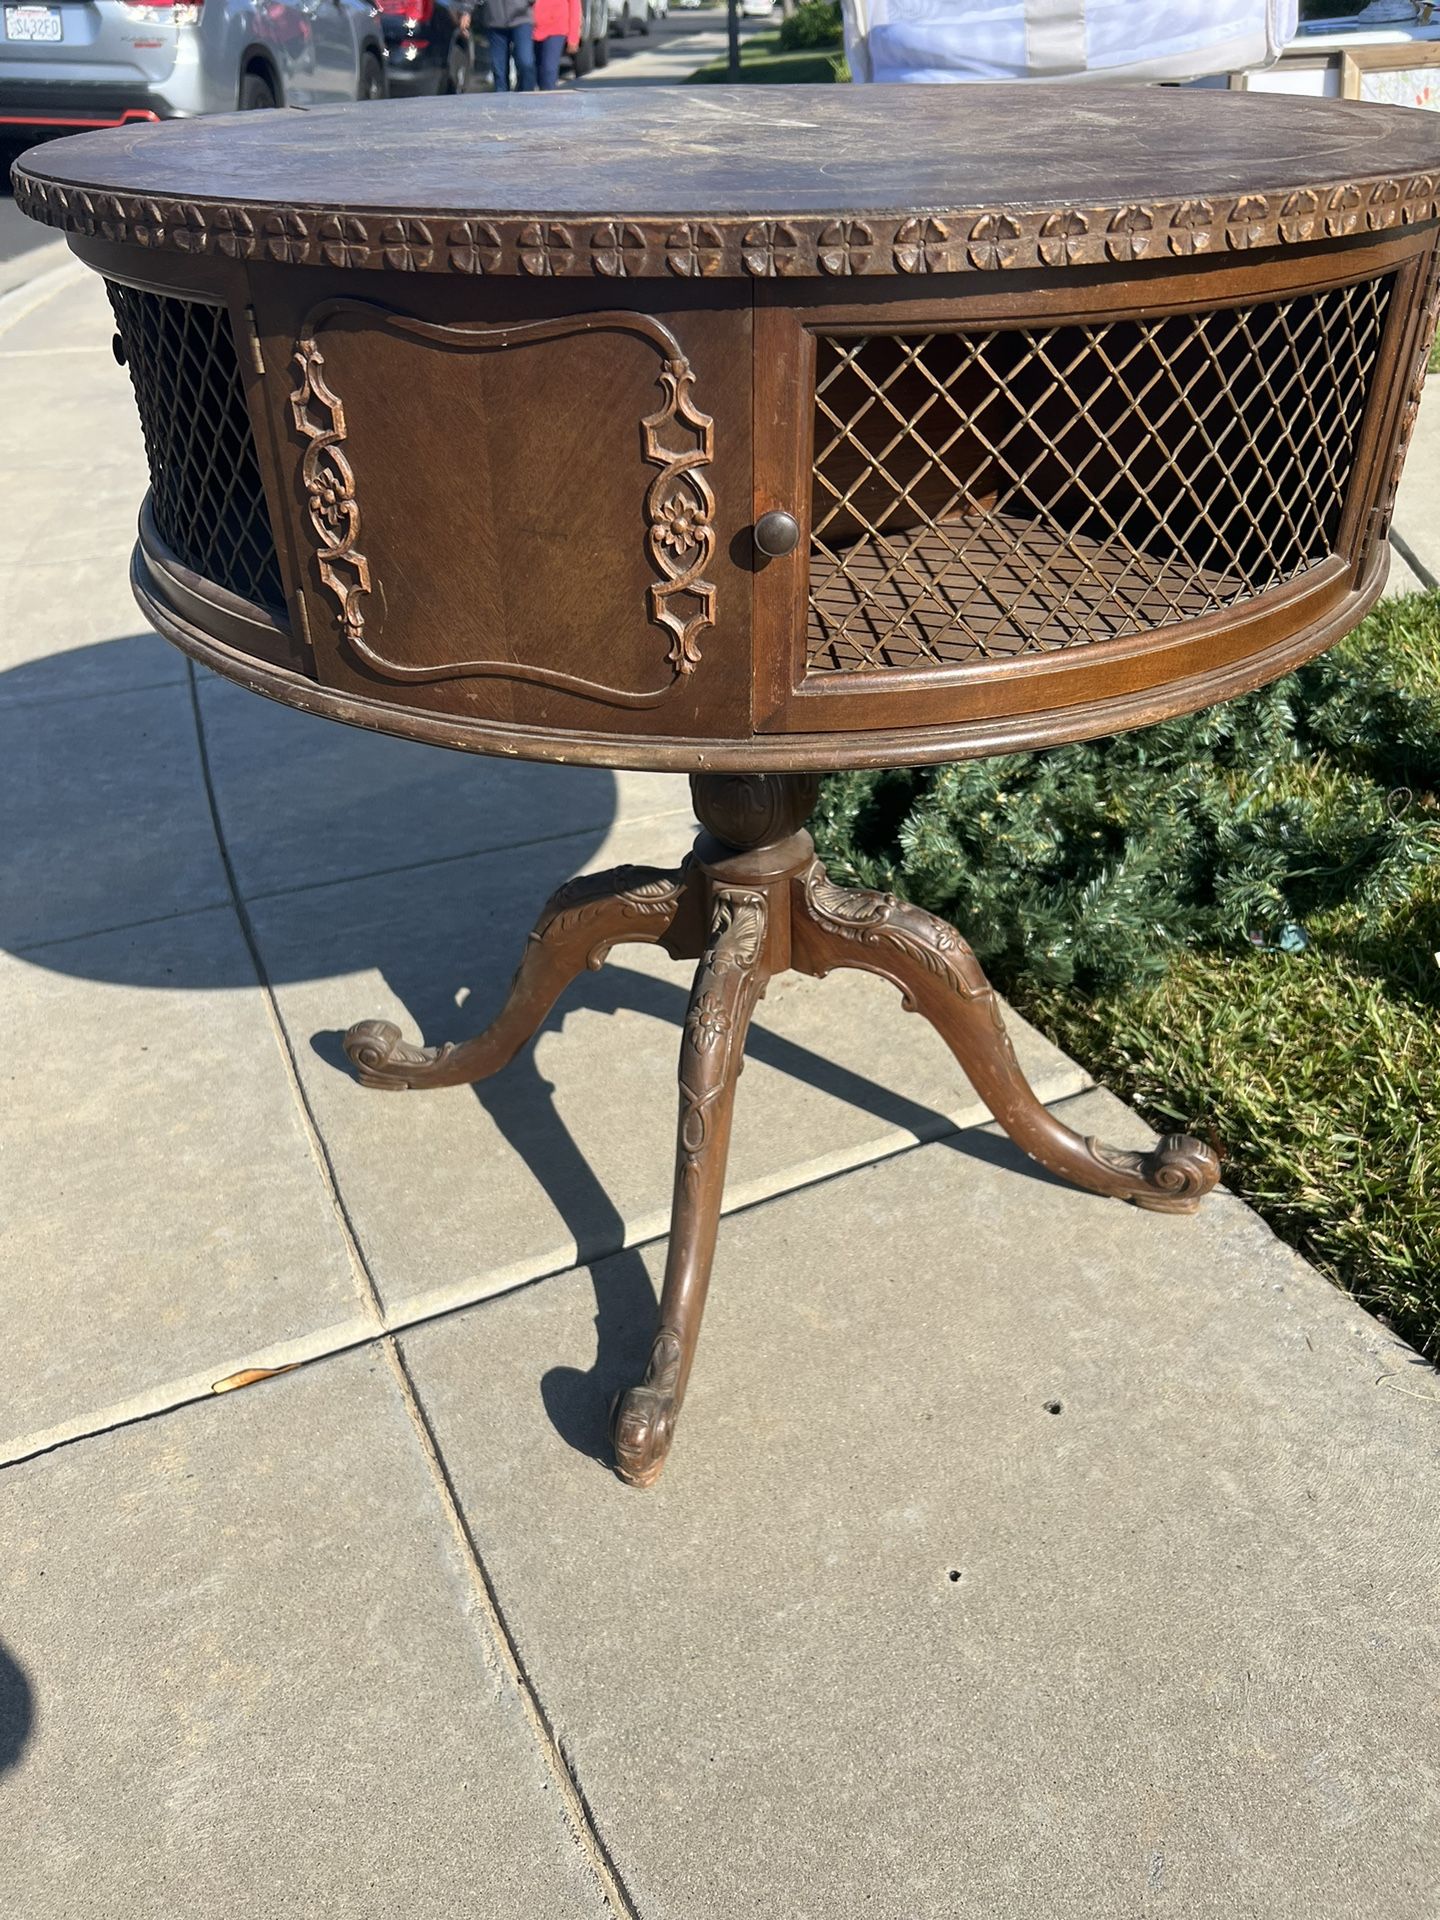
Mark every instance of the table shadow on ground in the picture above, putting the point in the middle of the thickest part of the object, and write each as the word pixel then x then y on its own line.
pixel 427 956
pixel 17 1709
pixel 520 1104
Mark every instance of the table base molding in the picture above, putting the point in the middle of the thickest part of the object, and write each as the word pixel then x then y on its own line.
pixel 750 902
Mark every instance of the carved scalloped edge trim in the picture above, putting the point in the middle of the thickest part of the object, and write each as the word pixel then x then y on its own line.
pixel 965 240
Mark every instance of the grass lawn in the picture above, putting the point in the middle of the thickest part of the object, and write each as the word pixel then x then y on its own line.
pixel 1318 1078
pixel 1316 1071
pixel 762 62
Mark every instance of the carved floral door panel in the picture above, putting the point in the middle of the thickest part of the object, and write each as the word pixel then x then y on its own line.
pixel 612 447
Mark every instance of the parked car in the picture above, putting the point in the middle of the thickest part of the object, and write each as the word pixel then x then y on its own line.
pixel 66 64
pixel 428 45
pixel 630 16
pixel 594 48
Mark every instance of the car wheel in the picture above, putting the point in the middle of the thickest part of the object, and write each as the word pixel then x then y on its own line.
pixel 372 78
pixel 602 52
pixel 255 91
pixel 642 25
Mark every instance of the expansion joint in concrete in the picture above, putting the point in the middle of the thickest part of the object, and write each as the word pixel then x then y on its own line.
pixel 359 1266
pixel 501 1641
pixel 557 1762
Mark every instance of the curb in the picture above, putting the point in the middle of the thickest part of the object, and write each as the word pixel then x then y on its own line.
pixel 1414 539
pixel 1412 560
pixel 19 276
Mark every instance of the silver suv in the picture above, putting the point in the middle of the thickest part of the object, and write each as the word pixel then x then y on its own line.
pixel 66 64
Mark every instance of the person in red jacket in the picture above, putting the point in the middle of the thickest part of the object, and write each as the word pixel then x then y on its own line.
pixel 557 31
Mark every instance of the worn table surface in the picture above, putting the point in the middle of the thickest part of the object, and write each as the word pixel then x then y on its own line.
pixel 1234 161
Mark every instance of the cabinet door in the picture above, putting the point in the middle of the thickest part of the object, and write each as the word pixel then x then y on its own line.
pixel 1016 499
pixel 520 521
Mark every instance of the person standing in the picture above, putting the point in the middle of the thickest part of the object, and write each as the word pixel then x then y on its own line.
pixel 557 31
pixel 510 27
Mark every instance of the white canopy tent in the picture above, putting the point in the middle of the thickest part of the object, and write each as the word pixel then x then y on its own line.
pixel 1052 40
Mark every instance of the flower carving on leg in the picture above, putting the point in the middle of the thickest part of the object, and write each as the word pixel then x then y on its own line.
pixel 708 1023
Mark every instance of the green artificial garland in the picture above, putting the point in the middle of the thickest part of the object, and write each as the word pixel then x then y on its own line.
pixel 1095 865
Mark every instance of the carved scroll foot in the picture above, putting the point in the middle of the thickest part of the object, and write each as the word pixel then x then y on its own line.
pixel 382 1059
pixel 642 1421
pixel 730 980
pixel 579 926
pixel 1173 1176
pixel 940 977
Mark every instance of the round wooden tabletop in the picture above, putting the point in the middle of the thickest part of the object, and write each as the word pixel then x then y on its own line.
pixel 758 181
pixel 794 427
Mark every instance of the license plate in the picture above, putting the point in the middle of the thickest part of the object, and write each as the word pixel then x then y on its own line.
pixel 33 23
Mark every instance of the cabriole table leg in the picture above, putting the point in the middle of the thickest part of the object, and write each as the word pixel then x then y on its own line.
pixel 730 980
pixel 939 977
pixel 752 846
pixel 581 922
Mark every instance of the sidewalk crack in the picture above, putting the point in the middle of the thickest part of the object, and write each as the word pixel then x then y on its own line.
pixel 552 1751
pixel 320 1152
pixel 576 1807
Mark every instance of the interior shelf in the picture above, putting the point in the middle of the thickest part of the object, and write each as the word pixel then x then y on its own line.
pixel 992 587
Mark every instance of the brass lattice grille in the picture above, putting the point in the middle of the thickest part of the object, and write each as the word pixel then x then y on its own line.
pixel 981 495
pixel 206 492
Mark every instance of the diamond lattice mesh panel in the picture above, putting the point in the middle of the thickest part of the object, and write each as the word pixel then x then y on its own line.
pixel 982 495
pixel 206 492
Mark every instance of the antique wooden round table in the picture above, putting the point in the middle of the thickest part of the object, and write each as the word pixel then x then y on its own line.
pixel 776 431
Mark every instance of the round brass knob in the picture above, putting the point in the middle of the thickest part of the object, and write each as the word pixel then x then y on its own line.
pixel 777 533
